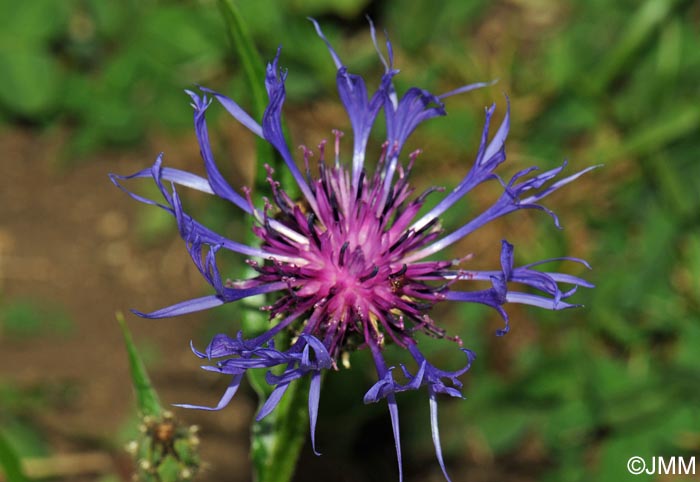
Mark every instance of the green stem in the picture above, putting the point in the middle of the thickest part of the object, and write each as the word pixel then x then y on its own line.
pixel 146 397
pixel 276 441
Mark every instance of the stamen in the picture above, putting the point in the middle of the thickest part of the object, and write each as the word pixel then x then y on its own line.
pixel 371 275
pixel 421 199
pixel 458 261
pixel 338 134
pixel 322 150
pixel 246 192
pixel 382 156
pixel 394 149
pixel 311 220
pixel 308 154
pixel 341 255
pixel 425 228
pixel 360 185
pixel 335 207
pixel 412 159
pixel 403 238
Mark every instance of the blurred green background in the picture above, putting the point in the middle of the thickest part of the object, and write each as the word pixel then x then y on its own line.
pixel 89 87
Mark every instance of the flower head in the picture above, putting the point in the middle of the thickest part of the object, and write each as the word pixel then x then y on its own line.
pixel 353 260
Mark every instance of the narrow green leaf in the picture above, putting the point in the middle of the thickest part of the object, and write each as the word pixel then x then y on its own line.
pixel 254 321
pixel 666 129
pixel 670 53
pixel 254 71
pixel 277 440
pixel 10 462
pixel 31 81
pixel 146 397
pixel 248 55
pixel 641 26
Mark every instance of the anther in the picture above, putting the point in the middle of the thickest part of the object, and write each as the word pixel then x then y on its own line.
pixel 341 255
pixel 400 272
pixel 360 185
pixel 403 238
pixel 428 226
pixel 374 272
pixel 335 207
pixel 311 220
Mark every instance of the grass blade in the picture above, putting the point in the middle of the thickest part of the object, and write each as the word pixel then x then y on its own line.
pixel 146 397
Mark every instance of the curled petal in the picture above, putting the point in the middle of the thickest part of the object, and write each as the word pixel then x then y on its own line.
pixel 183 308
pixel 314 396
pixel 236 111
pixel 217 182
pixel 394 414
pixel 225 399
pixel 272 401
pixel 509 201
pixel 435 431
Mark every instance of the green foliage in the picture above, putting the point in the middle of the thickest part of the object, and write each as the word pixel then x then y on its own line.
pixel 22 318
pixel 164 450
pixel 109 68
pixel 10 462
pixel 115 70
pixel 146 397
pixel 592 81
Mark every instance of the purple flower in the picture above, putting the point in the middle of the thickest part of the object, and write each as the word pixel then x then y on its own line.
pixel 352 259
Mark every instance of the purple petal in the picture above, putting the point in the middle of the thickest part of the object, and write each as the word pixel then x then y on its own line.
pixel 436 434
pixel 206 302
pixel 323 358
pixel 416 105
pixel 331 50
pixel 466 88
pixel 561 258
pixel 508 202
pixel 314 396
pixel 183 308
pixel 487 159
pixel 271 401
pixel 570 279
pixel 558 184
pixel 361 111
pixel 387 65
pixel 539 301
pixel 394 413
pixel 272 125
pixel 499 139
pixel 236 111
pixel 183 178
pixel 220 186
pixel 506 258
pixel 225 399
pixel 384 387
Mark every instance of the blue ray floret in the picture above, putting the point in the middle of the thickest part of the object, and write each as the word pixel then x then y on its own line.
pixel 354 259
